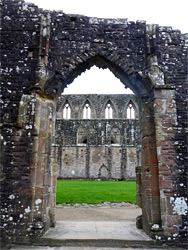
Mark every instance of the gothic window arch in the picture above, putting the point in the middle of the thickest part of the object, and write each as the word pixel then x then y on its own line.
pixel 109 110
pixel 104 172
pixel 131 111
pixel 87 110
pixel 66 111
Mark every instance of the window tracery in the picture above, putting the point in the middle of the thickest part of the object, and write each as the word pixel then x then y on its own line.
pixel 131 114
pixel 87 111
pixel 109 111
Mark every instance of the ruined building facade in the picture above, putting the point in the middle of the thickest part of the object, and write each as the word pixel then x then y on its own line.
pixel 41 53
pixel 97 137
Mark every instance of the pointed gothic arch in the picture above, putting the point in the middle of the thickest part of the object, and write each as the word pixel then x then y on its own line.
pixel 138 59
pixel 143 88
pixel 104 172
pixel 109 111
pixel 131 110
pixel 86 110
pixel 66 110
pixel 61 108
pixel 130 78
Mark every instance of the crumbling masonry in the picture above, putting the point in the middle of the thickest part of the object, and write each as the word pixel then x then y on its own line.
pixel 43 51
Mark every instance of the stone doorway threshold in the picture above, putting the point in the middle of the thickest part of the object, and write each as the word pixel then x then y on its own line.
pixel 107 226
pixel 97 226
pixel 80 230
pixel 97 234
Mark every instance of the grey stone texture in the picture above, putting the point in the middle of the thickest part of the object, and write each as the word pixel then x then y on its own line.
pixel 97 148
pixel 97 230
pixel 41 52
pixel 87 248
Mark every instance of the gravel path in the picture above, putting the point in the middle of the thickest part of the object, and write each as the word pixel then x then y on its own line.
pixel 106 211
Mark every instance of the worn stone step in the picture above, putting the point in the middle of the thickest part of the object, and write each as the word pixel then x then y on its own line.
pixel 94 243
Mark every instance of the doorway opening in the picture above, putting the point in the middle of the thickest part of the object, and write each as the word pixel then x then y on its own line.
pixel 103 134
pixel 99 144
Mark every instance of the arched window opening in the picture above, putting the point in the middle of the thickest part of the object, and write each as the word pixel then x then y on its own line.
pixel 109 111
pixel 87 111
pixel 67 111
pixel 93 76
pixel 103 172
pixel 131 111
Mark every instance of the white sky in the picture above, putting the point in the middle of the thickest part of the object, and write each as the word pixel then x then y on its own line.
pixel 97 81
pixel 163 12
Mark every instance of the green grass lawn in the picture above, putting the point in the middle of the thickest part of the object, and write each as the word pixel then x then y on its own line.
pixel 74 191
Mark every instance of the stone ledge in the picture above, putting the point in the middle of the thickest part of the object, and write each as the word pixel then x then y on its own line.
pixel 98 205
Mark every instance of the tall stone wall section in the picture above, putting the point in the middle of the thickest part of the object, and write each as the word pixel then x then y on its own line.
pixel 43 51
pixel 116 157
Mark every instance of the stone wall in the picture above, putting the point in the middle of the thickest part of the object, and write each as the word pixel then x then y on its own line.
pixel 43 51
pixel 107 148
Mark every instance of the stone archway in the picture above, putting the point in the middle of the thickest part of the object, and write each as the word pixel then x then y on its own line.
pixel 150 123
pixel 150 195
pixel 136 53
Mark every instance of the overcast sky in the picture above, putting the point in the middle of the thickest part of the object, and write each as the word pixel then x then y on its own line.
pixel 163 12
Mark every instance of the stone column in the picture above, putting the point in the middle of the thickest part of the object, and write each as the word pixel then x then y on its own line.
pixel 165 125
pixel 42 175
pixel 149 168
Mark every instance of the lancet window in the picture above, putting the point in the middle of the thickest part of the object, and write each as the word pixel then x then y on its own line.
pixel 109 111
pixel 131 111
pixel 87 111
pixel 67 111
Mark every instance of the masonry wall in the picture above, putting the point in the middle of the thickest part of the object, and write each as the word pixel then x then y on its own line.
pixel 111 150
pixel 43 51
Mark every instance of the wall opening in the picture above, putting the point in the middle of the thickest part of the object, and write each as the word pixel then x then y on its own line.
pixel 67 111
pixel 87 111
pixel 57 50
pixel 96 81
pixel 131 110
pixel 105 154
pixel 101 157
pixel 109 111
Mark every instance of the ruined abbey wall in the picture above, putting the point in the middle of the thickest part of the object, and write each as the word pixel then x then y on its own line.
pixel 43 51
pixel 97 147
